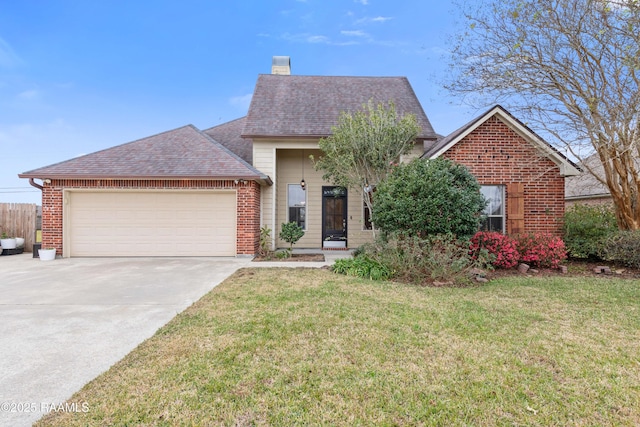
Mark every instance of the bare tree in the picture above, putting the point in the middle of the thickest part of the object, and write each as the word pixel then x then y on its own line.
pixel 572 67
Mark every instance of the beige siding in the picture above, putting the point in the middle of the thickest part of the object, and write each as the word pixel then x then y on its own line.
pixel 357 234
pixel 264 160
pixel 290 171
pixel 289 156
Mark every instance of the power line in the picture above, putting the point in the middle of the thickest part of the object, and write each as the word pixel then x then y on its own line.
pixel 19 191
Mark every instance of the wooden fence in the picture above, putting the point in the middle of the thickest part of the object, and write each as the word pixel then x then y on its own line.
pixel 19 220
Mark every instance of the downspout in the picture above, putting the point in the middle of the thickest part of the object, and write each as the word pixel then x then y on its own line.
pixel 33 184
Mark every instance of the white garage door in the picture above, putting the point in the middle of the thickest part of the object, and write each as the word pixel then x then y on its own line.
pixel 151 223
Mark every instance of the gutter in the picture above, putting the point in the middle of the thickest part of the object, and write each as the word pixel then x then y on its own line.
pixel 33 184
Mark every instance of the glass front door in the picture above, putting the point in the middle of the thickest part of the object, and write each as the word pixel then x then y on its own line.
pixel 334 217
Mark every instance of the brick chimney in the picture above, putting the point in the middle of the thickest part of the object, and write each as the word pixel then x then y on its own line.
pixel 281 65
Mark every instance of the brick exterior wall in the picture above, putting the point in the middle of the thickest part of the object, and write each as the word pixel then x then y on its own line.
pixel 497 155
pixel 248 205
pixel 248 218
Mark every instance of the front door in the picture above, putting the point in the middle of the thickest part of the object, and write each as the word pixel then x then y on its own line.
pixel 334 217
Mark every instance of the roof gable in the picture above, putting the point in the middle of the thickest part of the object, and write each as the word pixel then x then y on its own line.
pixel 308 106
pixel 567 167
pixel 185 152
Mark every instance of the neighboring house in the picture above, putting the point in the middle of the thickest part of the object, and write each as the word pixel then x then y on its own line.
pixel 188 192
pixel 586 188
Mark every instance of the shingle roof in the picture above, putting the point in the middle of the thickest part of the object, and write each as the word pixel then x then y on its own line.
pixel 310 105
pixel 228 134
pixel 586 185
pixel 185 152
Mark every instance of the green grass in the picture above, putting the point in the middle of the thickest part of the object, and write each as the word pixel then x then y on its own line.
pixel 309 347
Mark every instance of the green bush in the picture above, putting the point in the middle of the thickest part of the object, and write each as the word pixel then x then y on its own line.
pixel 429 197
pixel 291 233
pixel 362 266
pixel 586 227
pixel 622 247
pixel 417 260
pixel 265 242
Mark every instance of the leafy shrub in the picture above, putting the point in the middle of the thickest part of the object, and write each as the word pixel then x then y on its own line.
pixel 265 242
pixel 586 228
pixel 417 260
pixel 429 197
pixel 362 266
pixel 502 249
pixel 622 247
pixel 541 249
pixel 291 233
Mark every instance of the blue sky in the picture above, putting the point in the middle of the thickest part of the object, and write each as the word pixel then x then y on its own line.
pixel 81 76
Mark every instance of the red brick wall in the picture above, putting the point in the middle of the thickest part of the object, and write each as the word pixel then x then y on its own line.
pixel 248 206
pixel 497 155
pixel 248 218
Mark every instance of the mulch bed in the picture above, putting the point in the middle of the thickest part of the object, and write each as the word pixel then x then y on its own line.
pixel 575 268
pixel 293 258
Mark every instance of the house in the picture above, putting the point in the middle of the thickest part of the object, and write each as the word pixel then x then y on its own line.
pixel 520 174
pixel 188 192
pixel 586 188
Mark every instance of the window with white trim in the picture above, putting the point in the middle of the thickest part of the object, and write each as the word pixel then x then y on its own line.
pixel 297 202
pixel 494 219
pixel 366 212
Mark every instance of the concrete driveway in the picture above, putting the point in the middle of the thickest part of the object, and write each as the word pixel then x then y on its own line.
pixel 64 322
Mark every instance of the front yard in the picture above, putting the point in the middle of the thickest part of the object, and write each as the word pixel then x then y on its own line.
pixel 309 347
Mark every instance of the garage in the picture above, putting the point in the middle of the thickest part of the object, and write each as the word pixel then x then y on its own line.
pixel 150 223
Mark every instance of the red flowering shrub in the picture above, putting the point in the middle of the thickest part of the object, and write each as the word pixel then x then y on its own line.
pixel 541 249
pixel 503 249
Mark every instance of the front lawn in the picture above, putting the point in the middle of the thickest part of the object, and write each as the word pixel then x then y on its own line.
pixel 309 347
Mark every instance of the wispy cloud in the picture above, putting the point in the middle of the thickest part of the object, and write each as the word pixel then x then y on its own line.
pixel 363 2
pixel 33 134
pixel 241 102
pixel 354 33
pixel 318 39
pixel 29 94
pixel 375 20
pixel 314 39
pixel 8 57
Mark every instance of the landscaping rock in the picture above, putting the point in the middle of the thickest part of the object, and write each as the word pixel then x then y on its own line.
pixel 602 270
pixel 564 269
pixel 480 279
pixel 534 271
pixel 523 268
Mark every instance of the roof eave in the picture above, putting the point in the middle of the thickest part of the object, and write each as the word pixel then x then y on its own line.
pixel 588 196
pixel 319 136
pixel 262 179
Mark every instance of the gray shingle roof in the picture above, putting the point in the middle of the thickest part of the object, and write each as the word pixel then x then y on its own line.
pixel 185 152
pixel 228 134
pixel 586 185
pixel 310 105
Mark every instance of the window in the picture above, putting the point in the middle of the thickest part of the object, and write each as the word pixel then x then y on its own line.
pixel 494 212
pixel 366 212
pixel 297 200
